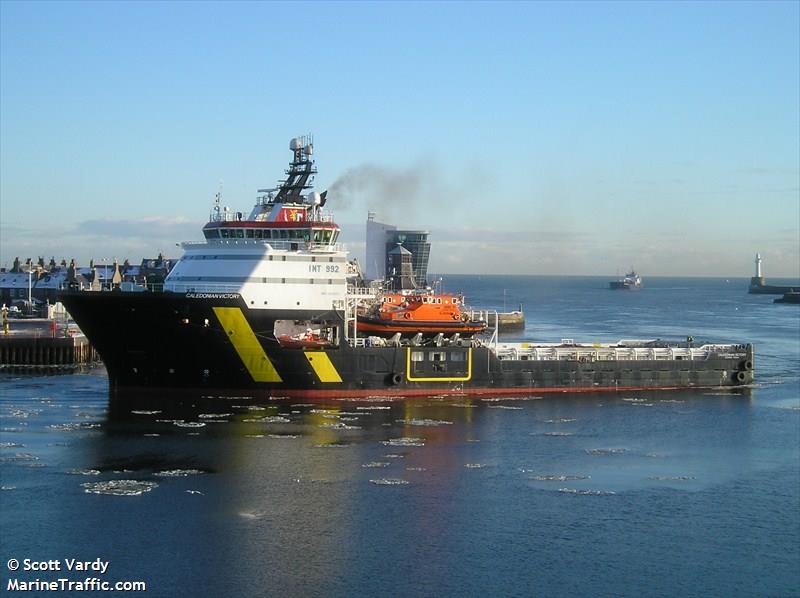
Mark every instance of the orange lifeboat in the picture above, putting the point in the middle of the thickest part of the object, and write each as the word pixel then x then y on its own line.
pixel 413 313
pixel 307 340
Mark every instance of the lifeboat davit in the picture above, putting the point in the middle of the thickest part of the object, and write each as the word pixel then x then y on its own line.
pixel 413 313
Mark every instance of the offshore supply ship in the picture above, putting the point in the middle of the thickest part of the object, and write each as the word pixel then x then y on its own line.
pixel 630 282
pixel 268 305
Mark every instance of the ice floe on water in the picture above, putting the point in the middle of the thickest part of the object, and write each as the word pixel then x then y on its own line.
pixel 672 478
pixel 183 424
pixel 18 457
pixel 119 487
pixel 333 445
pixel 193 492
pixel 84 472
pixel 501 399
pixel 4 445
pixel 375 464
pixel 254 436
pixel 8 487
pixel 21 413
pixel 557 434
pixel 389 482
pixel 251 514
pixel 424 422
pixel 587 492
pixel 605 451
pixel 152 434
pixel 339 426
pixel 146 411
pixel 404 441
pixel 269 419
pixel 416 469
pixel 214 415
pixel 394 456
pixel 503 407
pixel 559 478
pixel 474 465
pixel 178 473
pixel 69 427
pixel 283 436
pixel 560 420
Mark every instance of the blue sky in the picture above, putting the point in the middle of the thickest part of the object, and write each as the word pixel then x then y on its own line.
pixel 530 138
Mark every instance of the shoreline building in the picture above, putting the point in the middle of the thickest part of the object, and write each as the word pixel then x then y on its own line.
pixel 383 238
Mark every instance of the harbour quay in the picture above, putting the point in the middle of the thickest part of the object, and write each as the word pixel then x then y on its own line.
pixel 41 346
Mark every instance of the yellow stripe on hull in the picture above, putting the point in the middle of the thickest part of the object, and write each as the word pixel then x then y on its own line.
pixel 246 344
pixel 323 367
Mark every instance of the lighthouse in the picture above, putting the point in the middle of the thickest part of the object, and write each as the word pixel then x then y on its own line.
pixel 758 281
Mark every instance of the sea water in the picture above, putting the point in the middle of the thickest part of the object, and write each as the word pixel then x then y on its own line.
pixel 687 493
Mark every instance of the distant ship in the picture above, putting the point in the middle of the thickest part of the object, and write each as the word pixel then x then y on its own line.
pixel 268 305
pixel 630 282
pixel 759 286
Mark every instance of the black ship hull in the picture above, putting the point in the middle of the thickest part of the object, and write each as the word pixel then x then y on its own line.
pixel 213 345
